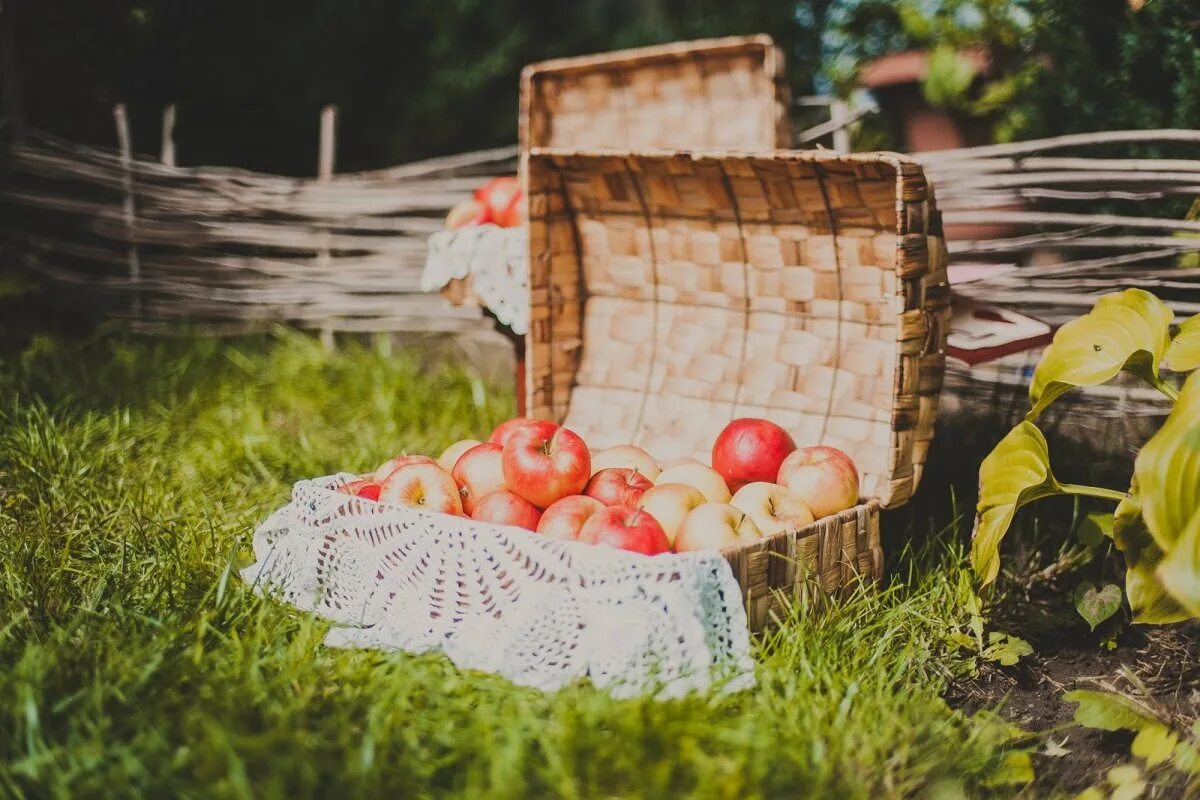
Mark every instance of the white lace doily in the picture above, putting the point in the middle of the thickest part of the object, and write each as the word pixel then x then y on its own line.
pixel 542 613
pixel 494 258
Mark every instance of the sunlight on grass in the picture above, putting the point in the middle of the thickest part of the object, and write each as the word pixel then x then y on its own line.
pixel 131 475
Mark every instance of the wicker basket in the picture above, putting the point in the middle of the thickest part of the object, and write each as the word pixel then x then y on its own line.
pixel 672 292
pixel 713 93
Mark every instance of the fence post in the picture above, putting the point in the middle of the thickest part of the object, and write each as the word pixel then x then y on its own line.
pixel 121 117
pixel 168 136
pixel 326 150
pixel 838 112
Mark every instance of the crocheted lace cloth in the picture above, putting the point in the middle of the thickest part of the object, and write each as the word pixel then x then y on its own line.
pixel 494 259
pixel 542 613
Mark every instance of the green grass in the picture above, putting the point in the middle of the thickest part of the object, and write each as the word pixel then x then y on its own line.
pixel 132 663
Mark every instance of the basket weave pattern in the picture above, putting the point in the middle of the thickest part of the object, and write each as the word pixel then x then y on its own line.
pixel 671 293
pixel 720 93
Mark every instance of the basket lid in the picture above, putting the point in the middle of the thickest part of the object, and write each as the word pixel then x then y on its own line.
pixel 729 93
pixel 673 292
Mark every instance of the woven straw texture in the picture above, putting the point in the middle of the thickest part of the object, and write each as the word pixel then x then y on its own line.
pixel 672 292
pixel 716 93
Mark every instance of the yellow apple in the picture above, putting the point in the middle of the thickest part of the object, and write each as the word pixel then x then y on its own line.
pixel 715 526
pixel 450 455
pixel 773 508
pixel 626 456
pixel 698 476
pixel 669 503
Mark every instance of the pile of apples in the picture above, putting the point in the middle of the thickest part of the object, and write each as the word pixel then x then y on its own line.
pixel 542 477
pixel 496 202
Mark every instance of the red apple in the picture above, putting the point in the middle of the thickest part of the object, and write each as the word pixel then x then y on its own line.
pixel 824 477
pixel 773 508
pixel 478 472
pixel 625 528
pixel 508 428
pixel 450 455
pixel 627 456
pixel 544 462
pixel 393 464
pixel 363 487
pixel 715 526
pixel 617 487
pixel 669 503
pixel 502 507
pixel 427 487
pixel 565 518
pixel 750 450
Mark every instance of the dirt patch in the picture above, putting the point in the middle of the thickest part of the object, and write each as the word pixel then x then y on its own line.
pixel 1166 661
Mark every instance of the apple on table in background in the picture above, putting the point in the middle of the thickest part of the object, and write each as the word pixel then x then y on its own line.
pixel 544 462
pixel 451 454
pixel 617 486
pixel 715 526
pixel 393 464
pixel 749 450
pixel 467 213
pixel 626 456
pixel 427 487
pixel 478 472
pixel 502 507
pixel 773 508
pixel 669 504
pixel 699 476
pixel 824 477
pixel 507 428
pixel 625 528
pixel 564 518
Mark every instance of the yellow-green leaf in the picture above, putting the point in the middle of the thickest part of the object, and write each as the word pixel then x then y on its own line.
pixel 1179 569
pixel 1148 599
pixel 1097 604
pixel 1109 711
pixel 1016 472
pixel 1154 744
pixel 1091 793
pixel 1184 353
pixel 1167 470
pixel 1125 330
pixel 1015 769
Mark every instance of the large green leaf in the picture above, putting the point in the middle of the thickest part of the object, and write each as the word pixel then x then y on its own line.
pixel 1184 353
pixel 1148 598
pixel 1016 472
pixel 1125 330
pixel 1179 570
pixel 1167 469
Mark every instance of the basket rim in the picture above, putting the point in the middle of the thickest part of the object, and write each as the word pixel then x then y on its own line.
pixel 652 54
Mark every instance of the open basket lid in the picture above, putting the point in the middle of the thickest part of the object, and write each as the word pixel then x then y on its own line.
pixel 728 93
pixel 673 292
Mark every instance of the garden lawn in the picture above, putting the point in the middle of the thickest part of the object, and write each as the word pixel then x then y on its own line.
pixel 134 662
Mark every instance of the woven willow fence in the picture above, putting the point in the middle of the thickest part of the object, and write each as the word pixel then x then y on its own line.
pixel 229 249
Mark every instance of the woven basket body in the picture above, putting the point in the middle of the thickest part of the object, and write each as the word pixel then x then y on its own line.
pixel 717 93
pixel 672 292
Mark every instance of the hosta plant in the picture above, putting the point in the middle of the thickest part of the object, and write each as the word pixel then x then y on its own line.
pixel 1156 523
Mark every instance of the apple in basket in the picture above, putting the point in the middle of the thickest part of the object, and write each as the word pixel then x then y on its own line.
pixel 393 464
pixel 626 456
pixel 501 197
pixel 697 475
pixel 625 528
pixel 508 428
pixel 749 450
pixel 565 518
pixel 824 477
pixel 467 213
pixel 427 487
pixel 617 486
pixel 715 526
pixel 502 507
pixel 478 472
pixel 773 508
pixel 669 503
pixel 451 454
pixel 544 462
pixel 363 487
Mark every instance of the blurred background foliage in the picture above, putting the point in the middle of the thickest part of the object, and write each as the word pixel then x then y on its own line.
pixel 425 77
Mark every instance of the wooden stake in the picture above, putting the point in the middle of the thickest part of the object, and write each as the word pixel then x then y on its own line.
pixel 124 142
pixel 168 136
pixel 326 150
pixel 838 112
